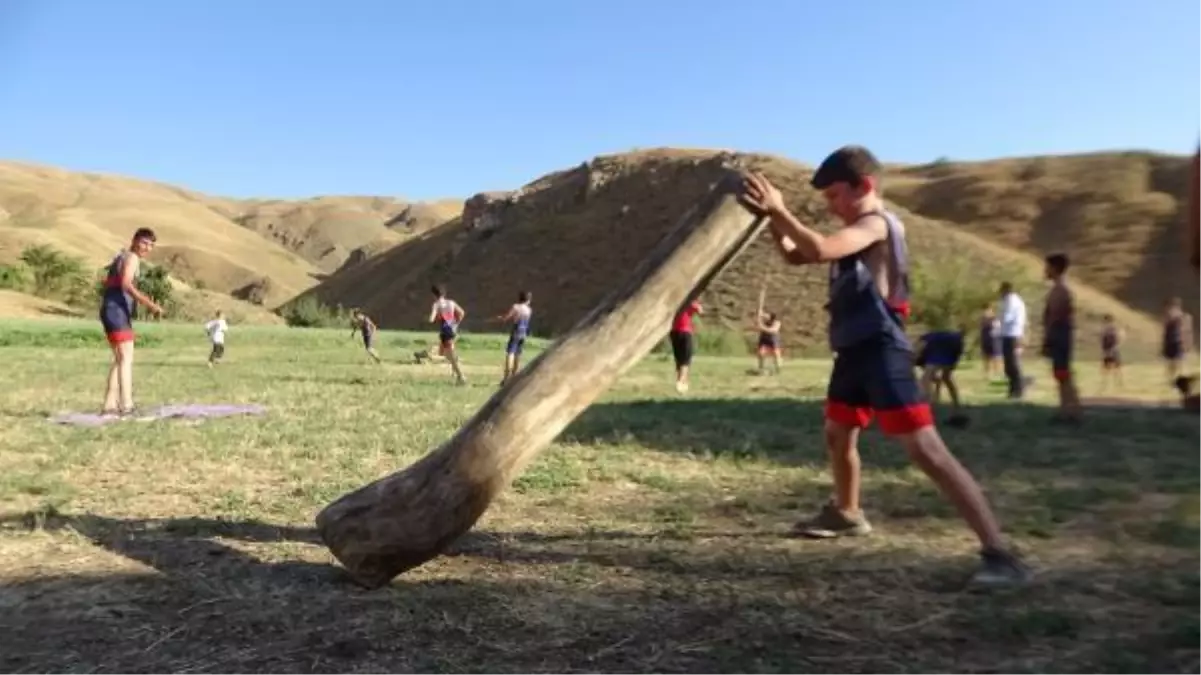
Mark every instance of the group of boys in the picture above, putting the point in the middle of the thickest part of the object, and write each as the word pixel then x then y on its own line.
pixel 872 374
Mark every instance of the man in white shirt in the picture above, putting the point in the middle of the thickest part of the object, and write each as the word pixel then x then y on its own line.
pixel 1012 319
pixel 216 331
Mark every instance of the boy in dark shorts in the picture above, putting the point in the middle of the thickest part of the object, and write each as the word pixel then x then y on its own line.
pixel 117 302
pixel 873 367
pixel 360 322
pixel 1059 333
pixel 1111 351
pixel 769 341
pixel 938 356
pixel 518 317
pixel 682 342
pixel 1177 329
pixel 447 314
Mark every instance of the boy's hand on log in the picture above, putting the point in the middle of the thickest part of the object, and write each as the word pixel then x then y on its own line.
pixel 761 196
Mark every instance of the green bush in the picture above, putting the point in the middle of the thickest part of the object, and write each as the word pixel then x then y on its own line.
pixel 952 294
pixel 309 312
pixel 15 277
pixel 52 274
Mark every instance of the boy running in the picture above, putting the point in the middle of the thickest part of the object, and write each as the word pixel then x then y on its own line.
pixel 216 330
pixel 519 316
pixel 873 367
pixel 360 322
pixel 1059 331
pixel 1111 351
pixel 447 314
pixel 117 303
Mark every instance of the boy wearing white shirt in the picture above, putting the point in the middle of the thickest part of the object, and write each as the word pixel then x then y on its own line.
pixel 216 331
pixel 1012 329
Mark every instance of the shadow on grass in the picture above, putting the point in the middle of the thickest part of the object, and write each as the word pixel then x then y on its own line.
pixel 601 602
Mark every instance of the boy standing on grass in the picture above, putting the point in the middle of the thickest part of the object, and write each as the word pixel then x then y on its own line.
pixel 873 367
pixel 1111 351
pixel 216 329
pixel 1059 333
pixel 117 303
pixel 769 341
pixel 682 342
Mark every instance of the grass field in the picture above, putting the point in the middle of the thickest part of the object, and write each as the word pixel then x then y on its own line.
pixel 650 537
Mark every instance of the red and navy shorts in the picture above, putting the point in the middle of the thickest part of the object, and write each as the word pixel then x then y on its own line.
pixel 117 323
pixel 877 377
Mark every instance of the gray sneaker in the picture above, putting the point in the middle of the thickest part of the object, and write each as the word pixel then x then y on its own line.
pixel 1000 568
pixel 830 522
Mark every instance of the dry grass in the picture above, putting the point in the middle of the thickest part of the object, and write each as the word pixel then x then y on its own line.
pixel 649 537
pixel 571 233
pixel 220 244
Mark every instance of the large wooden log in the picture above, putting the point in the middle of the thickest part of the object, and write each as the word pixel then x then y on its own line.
pixel 404 519
pixel 1193 219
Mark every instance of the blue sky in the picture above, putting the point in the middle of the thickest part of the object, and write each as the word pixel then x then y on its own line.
pixel 424 99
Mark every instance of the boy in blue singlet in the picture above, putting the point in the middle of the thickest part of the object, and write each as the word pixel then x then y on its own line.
pixel 360 322
pixel 519 318
pixel 117 303
pixel 447 314
pixel 873 368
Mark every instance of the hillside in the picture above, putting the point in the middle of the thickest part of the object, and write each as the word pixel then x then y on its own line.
pixel 568 236
pixel 224 245
pixel 1118 214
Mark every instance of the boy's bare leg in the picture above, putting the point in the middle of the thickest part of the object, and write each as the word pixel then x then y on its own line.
pixel 842 446
pixel 125 373
pixel 952 388
pixel 112 388
pixel 452 355
pixel 778 359
pixel 928 451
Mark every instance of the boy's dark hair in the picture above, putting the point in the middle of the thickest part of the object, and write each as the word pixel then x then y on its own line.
pixel 523 296
pixel 1058 262
pixel 438 289
pixel 771 317
pixel 849 164
pixel 1006 287
pixel 145 233
pixel 1107 317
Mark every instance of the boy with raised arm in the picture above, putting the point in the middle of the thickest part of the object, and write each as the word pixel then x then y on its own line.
pixel 873 367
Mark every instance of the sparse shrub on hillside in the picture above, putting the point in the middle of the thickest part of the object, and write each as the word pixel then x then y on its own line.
pixel 15 277
pixel 308 312
pixel 52 274
pixel 953 292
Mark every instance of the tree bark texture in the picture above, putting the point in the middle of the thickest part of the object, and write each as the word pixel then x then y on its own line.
pixel 406 518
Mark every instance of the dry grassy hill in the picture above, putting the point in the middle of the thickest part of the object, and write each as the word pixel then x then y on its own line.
pixel 223 245
pixel 570 235
pixel 1117 214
